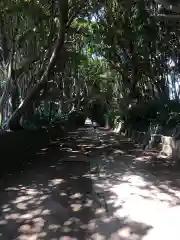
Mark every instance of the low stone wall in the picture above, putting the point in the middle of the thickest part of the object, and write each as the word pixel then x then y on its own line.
pixel 166 145
pixel 28 140
pixel 16 147
pixel 170 147
pixel 22 141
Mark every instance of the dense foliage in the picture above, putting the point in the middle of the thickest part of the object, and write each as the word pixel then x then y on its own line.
pixel 97 58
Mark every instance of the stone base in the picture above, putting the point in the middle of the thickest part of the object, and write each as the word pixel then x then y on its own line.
pixel 170 147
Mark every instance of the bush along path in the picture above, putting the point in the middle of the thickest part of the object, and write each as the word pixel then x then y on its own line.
pixel 92 184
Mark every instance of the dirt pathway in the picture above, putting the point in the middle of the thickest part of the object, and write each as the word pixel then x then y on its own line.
pixel 142 193
pixel 58 197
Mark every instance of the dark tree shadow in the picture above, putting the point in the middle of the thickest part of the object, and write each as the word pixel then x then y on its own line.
pixel 53 195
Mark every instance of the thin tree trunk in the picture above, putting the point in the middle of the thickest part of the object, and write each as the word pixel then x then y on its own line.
pixel 6 90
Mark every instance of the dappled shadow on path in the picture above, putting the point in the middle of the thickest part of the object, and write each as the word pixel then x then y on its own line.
pixel 140 193
pixel 43 205
pixel 55 195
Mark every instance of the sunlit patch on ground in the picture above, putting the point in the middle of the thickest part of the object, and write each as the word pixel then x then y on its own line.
pixel 143 204
pixel 67 197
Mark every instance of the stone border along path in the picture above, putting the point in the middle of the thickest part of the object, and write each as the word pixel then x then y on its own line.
pixel 94 186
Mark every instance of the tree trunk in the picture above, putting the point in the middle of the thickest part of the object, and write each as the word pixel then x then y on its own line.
pixel 15 97
pixel 6 91
pixel 14 121
pixel 5 95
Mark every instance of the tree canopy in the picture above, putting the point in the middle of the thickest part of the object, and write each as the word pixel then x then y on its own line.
pixel 97 57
